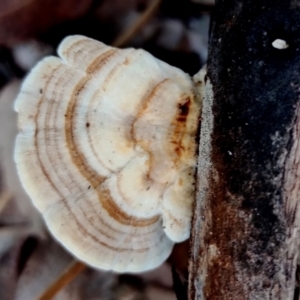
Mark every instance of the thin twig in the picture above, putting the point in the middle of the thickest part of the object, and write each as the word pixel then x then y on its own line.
pixel 130 32
pixel 5 196
pixel 65 278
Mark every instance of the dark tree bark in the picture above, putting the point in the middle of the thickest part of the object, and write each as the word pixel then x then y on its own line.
pixel 245 232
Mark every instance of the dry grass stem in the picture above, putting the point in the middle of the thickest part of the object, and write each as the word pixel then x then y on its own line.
pixel 130 32
pixel 75 268
pixel 5 196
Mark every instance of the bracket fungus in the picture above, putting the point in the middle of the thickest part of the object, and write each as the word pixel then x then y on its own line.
pixel 107 152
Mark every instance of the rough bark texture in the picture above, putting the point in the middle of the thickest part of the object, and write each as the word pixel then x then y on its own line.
pixel 245 235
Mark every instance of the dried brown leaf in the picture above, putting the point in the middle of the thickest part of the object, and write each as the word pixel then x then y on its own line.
pixel 20 20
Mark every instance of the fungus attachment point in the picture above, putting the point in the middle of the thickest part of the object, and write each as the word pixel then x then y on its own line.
pixel 107 152
pixel 280 44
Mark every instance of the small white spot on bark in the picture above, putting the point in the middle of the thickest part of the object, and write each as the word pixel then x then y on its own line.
pixel 280 44
pixel 213 252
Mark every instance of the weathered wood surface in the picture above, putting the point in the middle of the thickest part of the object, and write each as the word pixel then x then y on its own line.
pixel 245 235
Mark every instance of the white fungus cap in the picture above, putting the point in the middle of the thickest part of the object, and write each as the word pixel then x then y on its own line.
pixel 107 152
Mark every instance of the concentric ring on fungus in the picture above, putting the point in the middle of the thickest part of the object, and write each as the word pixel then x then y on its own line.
pixel 107 152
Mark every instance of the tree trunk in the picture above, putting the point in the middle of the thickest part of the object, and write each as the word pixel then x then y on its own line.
pixel 245 231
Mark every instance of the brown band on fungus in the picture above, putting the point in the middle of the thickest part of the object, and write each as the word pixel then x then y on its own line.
pixel 113 210
pixel 81 163
pixel 79 225
pixel 178 130
pixel 46 174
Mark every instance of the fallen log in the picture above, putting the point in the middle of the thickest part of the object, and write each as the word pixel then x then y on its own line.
pixel 245 231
